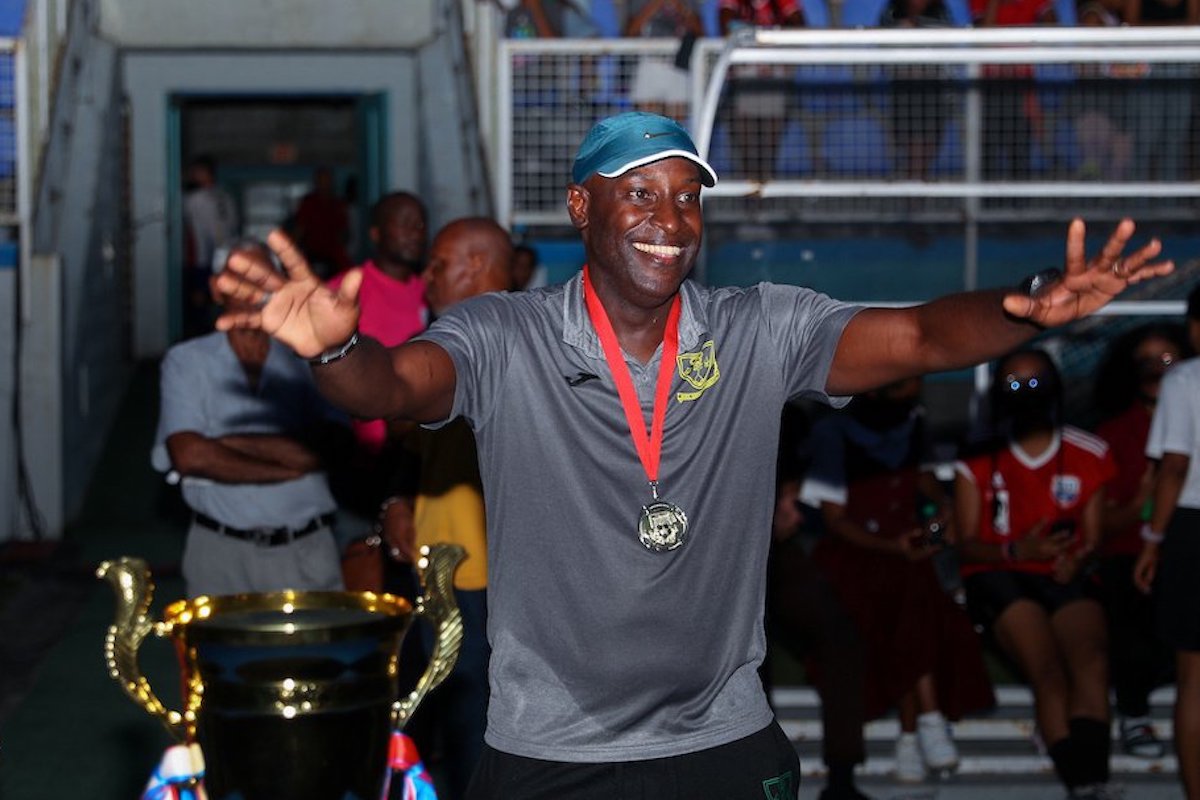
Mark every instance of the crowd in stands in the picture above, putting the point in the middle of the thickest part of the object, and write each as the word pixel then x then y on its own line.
pixel 1036 122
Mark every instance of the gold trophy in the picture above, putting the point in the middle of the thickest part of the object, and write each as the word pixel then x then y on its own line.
pixel 289 694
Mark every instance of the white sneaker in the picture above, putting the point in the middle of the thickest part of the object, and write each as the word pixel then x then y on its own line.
pixel 937 748
pixel 909 766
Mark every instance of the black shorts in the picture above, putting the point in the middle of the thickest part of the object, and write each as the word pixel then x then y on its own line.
pixel 1177 582
pixel 762 766
pixel 990 593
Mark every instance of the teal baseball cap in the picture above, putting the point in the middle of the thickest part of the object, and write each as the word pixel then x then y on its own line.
pixel 623 142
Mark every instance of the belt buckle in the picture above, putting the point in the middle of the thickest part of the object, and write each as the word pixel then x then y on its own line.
pixel 262 537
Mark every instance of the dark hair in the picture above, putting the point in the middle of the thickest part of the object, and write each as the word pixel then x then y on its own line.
pixel 204 160
pixel 524 248
pixel 1193 304
pixel 1116 383
pixel 382 205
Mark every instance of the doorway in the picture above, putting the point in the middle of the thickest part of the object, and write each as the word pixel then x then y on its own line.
pixel 266 150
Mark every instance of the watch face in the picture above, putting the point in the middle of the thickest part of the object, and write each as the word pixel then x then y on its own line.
pixel 1040 281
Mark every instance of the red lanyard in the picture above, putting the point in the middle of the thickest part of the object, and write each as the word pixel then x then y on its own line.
pixel 648 443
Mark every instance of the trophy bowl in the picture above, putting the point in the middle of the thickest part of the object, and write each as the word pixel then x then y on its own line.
pixel 288 694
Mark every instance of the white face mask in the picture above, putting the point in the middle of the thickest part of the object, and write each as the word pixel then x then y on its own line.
pixel 508 5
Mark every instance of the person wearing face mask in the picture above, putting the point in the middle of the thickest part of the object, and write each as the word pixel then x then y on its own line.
pixel 887 516
pixel 1127 392
pixel 1028 510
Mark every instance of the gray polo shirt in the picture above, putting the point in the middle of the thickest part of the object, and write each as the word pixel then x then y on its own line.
pixel 601 649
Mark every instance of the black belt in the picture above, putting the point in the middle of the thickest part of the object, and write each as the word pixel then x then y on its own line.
pixel 266 537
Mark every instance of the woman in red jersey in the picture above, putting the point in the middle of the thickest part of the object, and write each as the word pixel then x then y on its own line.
pixel 1029 510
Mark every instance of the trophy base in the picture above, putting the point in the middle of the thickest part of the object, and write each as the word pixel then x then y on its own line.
pixel 339 755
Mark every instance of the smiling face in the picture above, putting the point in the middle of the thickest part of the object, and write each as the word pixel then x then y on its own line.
pixel 641 230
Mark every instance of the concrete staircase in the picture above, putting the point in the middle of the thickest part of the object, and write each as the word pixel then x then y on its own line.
pixel 1001 757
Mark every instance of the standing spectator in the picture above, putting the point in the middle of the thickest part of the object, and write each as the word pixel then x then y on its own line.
pixel 1171 552
pixel 210 223
pixel 468 257
pixel 1010 103
pixel 530 19
pixel 1105 146
pixel 392 299
pixel 1127 389
pixel 240 427
pixel 760 93
pixel 1029 510
pixel 923 657
pixel 323 225
pixel 663 87
pixel 920 101
pixel 1162 103
pixel 527 272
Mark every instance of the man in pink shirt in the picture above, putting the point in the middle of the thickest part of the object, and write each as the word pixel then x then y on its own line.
pixel 393 293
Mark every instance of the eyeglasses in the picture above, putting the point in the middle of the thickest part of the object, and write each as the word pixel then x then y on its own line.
pixel 1031 383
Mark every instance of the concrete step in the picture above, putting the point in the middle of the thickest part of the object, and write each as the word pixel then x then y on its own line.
pixel 1000 745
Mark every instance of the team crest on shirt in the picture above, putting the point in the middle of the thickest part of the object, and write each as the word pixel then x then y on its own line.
pixel 1066 490
pixel 699 369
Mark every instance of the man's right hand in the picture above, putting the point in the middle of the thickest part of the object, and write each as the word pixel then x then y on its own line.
pixel 294 307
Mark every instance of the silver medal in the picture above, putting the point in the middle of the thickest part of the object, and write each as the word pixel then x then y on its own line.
pixel 662 526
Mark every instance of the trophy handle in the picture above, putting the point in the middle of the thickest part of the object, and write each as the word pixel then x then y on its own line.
pixel 437 603
pixel 130 580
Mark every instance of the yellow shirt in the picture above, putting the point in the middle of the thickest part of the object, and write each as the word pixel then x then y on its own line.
pixel 449 506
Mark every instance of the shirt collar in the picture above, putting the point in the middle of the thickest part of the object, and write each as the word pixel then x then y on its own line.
pixel 579 332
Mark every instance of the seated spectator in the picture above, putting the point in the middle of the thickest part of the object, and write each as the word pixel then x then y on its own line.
pixel 922 655
pixel 761 93
pixel 805 617
pixel 661 86
pixel 1105 146
pixel 1127 390
pixel 1161 106
pixel 243 429
pixel 1009 99
pixel 530 19
pixel 1028 509
pixel 920 97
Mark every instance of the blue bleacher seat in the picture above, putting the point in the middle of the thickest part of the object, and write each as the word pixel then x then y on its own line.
pixel 856 144
pixel 12 17
pixel 795 153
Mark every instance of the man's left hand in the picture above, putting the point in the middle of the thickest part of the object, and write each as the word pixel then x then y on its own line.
pixel 1086 284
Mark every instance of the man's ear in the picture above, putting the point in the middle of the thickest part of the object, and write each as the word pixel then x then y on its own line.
pixel 577 205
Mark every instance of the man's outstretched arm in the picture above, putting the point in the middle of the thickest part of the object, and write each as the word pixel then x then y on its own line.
pixel 880 345
pixel 413 381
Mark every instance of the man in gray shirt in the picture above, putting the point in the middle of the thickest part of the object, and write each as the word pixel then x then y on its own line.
pixel 627 425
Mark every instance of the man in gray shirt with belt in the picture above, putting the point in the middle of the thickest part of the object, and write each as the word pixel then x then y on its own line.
pixel 627 424
pixel 238 424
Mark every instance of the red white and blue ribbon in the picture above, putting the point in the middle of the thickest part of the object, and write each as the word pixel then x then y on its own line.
pixel 179 776
pixel 405 762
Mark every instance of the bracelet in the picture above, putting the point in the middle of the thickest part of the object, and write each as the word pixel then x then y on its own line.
pixel 1150 535
pixel 1009 551
pixel 337 353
